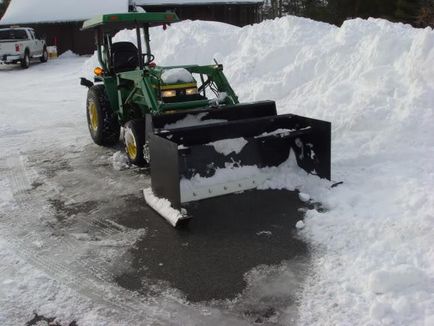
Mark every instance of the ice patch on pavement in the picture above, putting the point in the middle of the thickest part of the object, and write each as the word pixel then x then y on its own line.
pixel 120 161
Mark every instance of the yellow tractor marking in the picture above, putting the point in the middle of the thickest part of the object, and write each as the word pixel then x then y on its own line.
pixel 93 116
pixel 131 145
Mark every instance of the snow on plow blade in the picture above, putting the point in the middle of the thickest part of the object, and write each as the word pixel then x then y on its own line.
pixel 228 149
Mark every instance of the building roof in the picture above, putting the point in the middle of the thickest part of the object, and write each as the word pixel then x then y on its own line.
pixel 193 2
pixel 51 11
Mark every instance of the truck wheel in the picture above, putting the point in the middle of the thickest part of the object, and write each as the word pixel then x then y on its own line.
pixel 135 140
pixel 102 121
pixel 44 57
pixel 25 62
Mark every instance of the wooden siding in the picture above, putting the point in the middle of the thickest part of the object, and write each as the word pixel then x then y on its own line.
pixel 234 14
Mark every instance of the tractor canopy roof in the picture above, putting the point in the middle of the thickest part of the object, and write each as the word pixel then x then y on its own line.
pixel 130 20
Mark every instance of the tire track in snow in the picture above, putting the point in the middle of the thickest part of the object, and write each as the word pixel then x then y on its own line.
pixel 91 281
pixel 104 226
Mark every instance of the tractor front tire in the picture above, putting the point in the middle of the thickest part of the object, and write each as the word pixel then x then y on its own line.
pixel 102 121
pixel 135 141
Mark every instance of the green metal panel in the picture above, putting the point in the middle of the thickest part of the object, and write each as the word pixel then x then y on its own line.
pixel 110 87
pixel 184 105
pixel 125 19
pixel 135 93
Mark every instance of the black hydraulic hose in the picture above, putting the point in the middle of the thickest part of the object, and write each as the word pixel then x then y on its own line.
pixel 139 46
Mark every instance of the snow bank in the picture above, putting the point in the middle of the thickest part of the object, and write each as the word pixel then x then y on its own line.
pixel 374 256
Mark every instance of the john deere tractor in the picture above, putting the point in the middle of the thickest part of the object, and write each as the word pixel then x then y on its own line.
pixel 187 122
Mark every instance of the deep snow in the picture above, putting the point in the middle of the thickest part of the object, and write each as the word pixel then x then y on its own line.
pixel 373 239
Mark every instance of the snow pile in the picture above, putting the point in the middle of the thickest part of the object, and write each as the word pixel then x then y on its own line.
pixel 374 81
pixel 176 75
pixel 227 146
pixel 68 54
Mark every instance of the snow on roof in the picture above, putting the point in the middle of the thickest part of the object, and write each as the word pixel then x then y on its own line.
pixel 50 11
pixel 190 2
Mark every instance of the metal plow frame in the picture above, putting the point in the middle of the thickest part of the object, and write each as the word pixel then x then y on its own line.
pixel 186 152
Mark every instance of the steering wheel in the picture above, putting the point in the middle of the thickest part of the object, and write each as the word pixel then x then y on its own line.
pixel 150 58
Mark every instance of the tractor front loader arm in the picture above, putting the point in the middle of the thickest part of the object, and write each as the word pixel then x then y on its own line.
pixel 215 74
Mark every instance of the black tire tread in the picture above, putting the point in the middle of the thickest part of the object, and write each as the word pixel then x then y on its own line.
pixel 109 131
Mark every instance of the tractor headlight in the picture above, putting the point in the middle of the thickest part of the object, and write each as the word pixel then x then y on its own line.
pixel 191 91
pixel 170 93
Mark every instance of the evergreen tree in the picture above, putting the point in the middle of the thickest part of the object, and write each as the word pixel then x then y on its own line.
pixel 426 14
pixel 407 11
pixel 419 13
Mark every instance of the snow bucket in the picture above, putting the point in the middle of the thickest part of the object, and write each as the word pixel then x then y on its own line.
pixel 231 149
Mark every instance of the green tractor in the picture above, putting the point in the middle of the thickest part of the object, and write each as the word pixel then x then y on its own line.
pixel 186 122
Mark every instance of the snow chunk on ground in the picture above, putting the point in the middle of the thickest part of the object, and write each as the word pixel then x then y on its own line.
pixel 163 207
pixel 303 197
pixel 120 161
pixel 299 224
pixel 177 75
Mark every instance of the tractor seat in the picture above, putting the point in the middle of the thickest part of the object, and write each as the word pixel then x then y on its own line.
pixel 124 56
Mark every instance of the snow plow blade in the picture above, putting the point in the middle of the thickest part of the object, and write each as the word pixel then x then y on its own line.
pixel 230 149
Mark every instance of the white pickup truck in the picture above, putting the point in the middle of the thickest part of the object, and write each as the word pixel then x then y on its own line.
pixel 19 45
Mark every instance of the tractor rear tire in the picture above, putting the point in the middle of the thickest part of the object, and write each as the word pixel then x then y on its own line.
pixel 102 121
pixel 135 141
